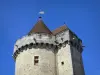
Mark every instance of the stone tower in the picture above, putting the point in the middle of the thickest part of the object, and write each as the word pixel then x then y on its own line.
pixel 45 52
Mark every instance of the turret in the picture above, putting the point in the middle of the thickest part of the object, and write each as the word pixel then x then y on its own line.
pixel 35 52
pixel 68 55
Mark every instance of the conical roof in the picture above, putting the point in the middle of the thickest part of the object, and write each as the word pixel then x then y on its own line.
pixel 40 27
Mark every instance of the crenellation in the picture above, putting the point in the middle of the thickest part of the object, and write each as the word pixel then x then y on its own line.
pixel 35 45
pixel 40 45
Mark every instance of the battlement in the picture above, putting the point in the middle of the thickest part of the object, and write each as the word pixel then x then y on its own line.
pixel 35 38
pixel 43 40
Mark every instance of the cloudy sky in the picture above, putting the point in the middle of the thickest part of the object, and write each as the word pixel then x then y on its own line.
pixel 17 17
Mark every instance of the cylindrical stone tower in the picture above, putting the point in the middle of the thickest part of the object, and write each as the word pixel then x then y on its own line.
pixel 34 53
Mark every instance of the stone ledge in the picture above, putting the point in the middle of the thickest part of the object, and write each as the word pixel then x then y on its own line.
pixel 34 45
pixel 43 45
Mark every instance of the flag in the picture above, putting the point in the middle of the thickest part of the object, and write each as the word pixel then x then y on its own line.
pixel 41 12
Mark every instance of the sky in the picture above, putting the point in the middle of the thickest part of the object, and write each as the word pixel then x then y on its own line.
pixel 17 17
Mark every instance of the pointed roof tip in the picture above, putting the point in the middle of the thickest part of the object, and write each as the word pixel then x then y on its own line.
pixel 40 27
pixel 40 17
pixel 64 23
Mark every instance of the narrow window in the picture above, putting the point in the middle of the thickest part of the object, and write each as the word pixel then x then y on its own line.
pixel 36 57
pixel 36 60
pixel 62 63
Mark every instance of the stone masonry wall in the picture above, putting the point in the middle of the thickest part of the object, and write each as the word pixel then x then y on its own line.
pixel 25 62
pixel 64 55
pixel 77 62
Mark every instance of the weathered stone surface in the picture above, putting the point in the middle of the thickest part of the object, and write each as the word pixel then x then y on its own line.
pixel 54 58
pixel 77 62
pixel 25 62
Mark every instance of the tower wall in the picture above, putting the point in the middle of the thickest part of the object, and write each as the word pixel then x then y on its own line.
pixel 77 62
pixel 43 47
pixel 63 56
pixel 46 54
pixel 76 53
pixel 25 62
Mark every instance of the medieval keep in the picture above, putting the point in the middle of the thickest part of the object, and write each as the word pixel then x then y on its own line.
pixel 45 52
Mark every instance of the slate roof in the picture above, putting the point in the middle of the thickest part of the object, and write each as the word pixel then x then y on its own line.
pixel 56 31
pixel 40 27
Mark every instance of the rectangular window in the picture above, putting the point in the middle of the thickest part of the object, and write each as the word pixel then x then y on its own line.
pixel 36 60
pixel 36 57
pixel 62 63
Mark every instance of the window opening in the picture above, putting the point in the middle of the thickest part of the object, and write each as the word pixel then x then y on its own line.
pixel 36 60
pixel 62 63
